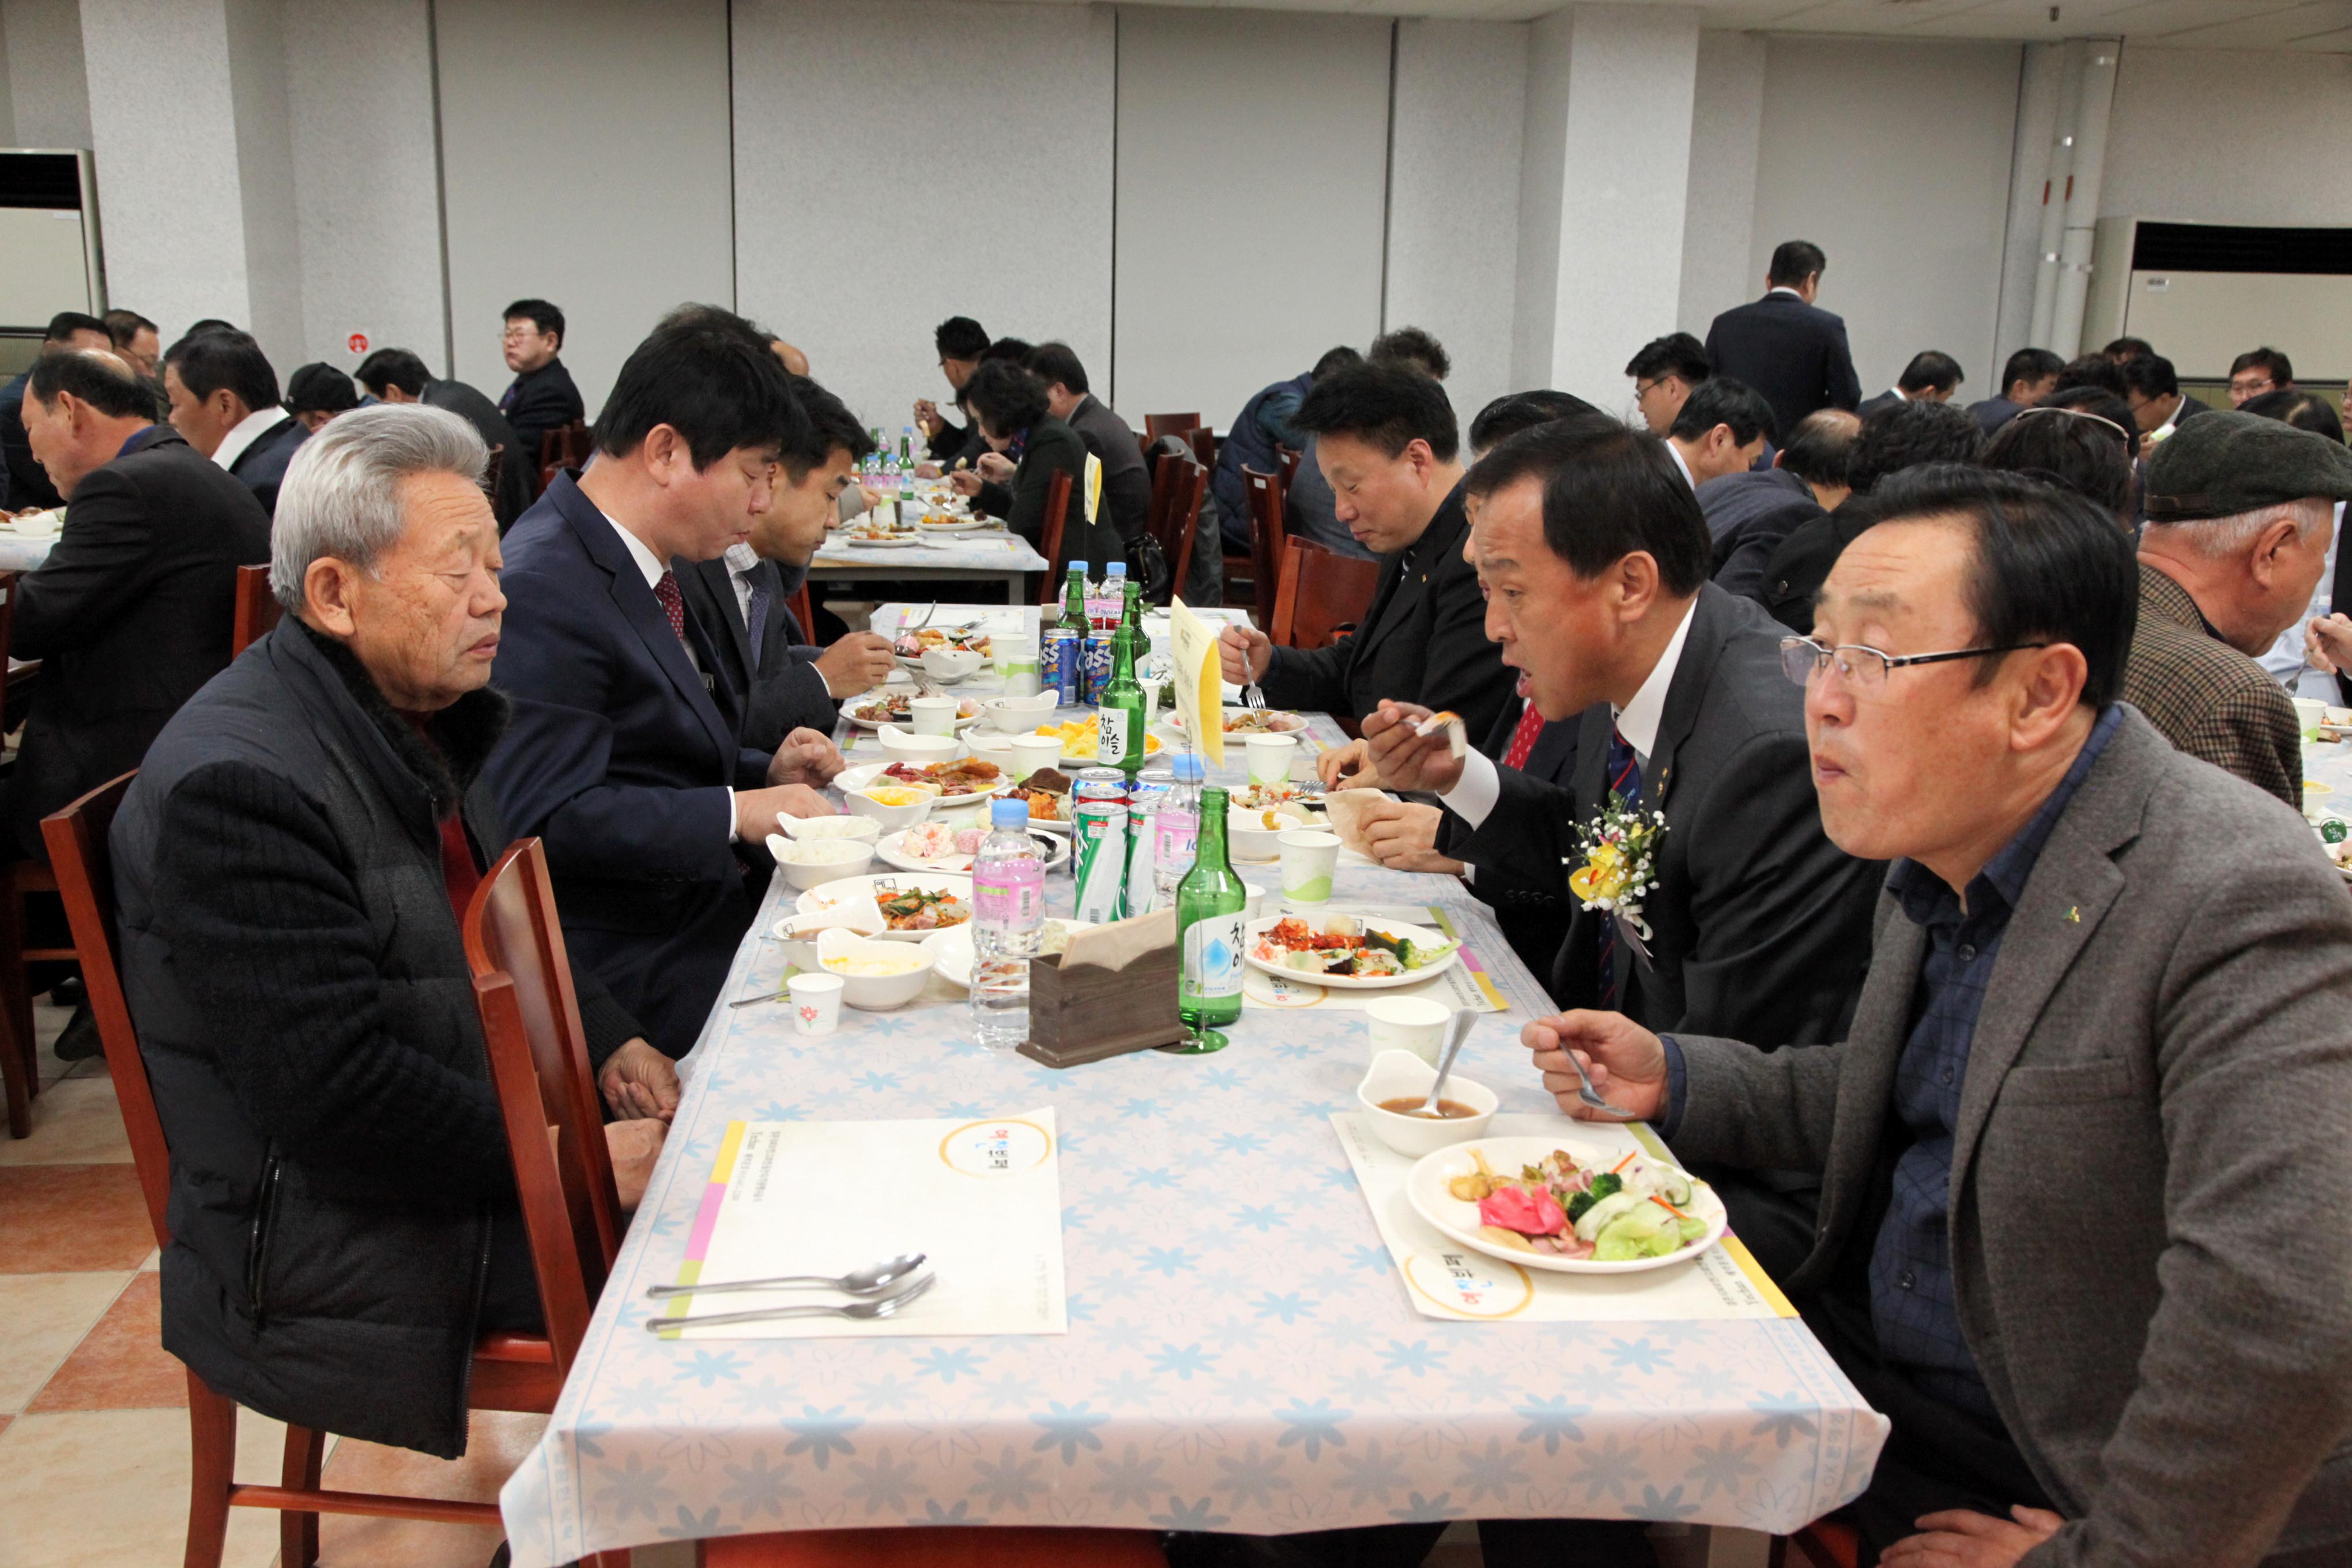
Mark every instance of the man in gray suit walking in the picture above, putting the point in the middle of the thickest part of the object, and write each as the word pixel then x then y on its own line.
pixel 2087 1147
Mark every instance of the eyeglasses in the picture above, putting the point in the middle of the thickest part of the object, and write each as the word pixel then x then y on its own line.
pixel 1865 668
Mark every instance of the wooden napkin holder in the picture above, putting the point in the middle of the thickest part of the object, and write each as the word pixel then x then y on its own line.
pixel 1087 1014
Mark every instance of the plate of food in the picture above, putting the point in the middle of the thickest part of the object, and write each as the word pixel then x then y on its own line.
pixel 913 644
pixel 950 949
pixel 913 904
pixel 1047 791
pixel 1347 953
pixel 959 782
pixel 895 705
pixel 1564 1207
pixel 1266 797
pixel 951 522
pixel 1079 736
pixel 1252 721
pixel 876 537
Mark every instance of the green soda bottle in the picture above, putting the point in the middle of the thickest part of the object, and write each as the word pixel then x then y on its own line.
pixel 1209 940
pixel 1119 723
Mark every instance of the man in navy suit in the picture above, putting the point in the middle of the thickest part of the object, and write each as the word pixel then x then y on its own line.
pixel 1783 345
pixel 619 757
pixel 224 398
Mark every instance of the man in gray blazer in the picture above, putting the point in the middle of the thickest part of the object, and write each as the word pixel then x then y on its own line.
pixel 2086 1149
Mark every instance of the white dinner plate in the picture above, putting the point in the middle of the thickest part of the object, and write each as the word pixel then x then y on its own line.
pixel 960 525
pixel 875 541
pixel 1426 1186
pixel 1296 725
pixel 1062 828
pixel 866 775
pixel 951 951
pixel 1251 932
pixel 849 712
pixel 818 899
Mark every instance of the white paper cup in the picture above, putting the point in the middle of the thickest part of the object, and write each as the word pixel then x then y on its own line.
pixel 2309 711
pixel 1031 753
pixel 816 1003
pixel 1270 757
pixel 1309 856
pixel 1016 660
pixel 1413 1024
pixel 933 715
pixel 1253 900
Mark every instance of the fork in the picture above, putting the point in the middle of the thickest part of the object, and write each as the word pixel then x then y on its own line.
pixel 1589 1095
pixel 881 1309
pixel 1254 697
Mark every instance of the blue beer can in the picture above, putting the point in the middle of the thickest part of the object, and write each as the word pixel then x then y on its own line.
pixel 1058 665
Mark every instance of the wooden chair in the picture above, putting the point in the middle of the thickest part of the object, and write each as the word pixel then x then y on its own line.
pixel 258 609
pixel 1155 425
pixel 1188 486
pixel 945 1546
pixel 1323 592
pixel 1204 446
pixel 565 447
pixel 1049 537
pixel 1290 467
pixel 1268 531
pixel 803 610
pixel 1824 1542
pixel 510 1371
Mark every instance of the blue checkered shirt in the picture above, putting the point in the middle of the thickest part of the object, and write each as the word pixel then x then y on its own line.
pixel 1912 1305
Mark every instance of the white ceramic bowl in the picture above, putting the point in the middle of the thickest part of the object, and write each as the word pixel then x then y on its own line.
pixel 1249 840
pixel 950 663
pixel 1394 1075
pixel 812 862
pixel 894 818
pixel 1018 715
pixel 808 828
pixel 905 746
pixel 908 965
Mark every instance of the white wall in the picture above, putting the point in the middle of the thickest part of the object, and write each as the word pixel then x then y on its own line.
pixel 1253 151
pixel 599 178
pixel 45 94
pixel 1543 164
pixel 359 78
pixel 896 164
pixel 1727 125
pixel 2182 147
pixel 1894 157
pixel 1453 195
pixel 265 158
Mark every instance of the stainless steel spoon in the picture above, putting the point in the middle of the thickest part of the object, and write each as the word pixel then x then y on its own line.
pixel 882 1309
pixel 1457 1032
pixel 870 1281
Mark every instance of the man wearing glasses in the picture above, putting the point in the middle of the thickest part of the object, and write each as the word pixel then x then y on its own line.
pixel 2075 1143
pixel 542 397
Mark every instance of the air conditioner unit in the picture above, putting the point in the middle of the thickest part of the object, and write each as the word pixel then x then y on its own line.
pixel 49 259
pixel 2205 293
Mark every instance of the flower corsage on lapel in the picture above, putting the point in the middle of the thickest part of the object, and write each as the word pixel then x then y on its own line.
pixel 1621 865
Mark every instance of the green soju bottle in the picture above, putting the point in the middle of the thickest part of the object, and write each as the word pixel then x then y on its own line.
pixel 1121 708
pixel 1209 936
pixel 1074 600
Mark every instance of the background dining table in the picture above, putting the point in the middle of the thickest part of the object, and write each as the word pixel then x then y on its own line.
pixel 1242 1355
pixel 978 559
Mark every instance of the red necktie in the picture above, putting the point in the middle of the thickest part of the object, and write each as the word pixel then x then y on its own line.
pixel 672 605
pixel 1523 739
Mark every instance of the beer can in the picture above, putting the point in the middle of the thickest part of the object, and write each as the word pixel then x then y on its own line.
pixel 1057 664
pixel 1142 811
pixel 1096 673
pixel 1100 830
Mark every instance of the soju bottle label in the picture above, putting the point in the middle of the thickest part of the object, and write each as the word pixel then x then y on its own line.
pixel 1110 737
pixel 1212 957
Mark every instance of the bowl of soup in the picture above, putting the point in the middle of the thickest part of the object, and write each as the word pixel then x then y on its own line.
pixel 875 977
pixel 893 806
pixel 1392 1091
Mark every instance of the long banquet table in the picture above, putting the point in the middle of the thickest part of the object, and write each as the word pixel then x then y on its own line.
pixel 1242 1355
pixel 977 559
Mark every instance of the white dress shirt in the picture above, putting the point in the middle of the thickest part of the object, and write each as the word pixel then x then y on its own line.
pixel 2284 661
pixel 1677 454
pixel 1473 797
pixel 244 432
pixel 651 565
pixel 741 559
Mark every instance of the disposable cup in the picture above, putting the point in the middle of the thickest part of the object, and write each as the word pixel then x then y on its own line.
pixel 816 1003
pixel 2309 712
pixel 1308 857
pixel 1270 757
pixel 933 715
pixel 1031 753
pixel 1413 1024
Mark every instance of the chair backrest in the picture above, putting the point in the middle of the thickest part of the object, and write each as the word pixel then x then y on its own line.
pixel 258 609
pixel 1263 494
pixel 1049 536
pixel 79 856
pixel 1157 424
pixel 539 1065
pixel 1191 484
pixel 1322 592
pixel 1167 489
pixel 565 447
pixel 1290 467
pixel 804 611
pixel 1204 445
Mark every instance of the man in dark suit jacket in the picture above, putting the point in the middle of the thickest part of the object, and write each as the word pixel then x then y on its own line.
pixel 2028 376
pixel 1783 345
pixel 2159 405
pixel 25 484
pixel 771 682
pixel 397 376
pixel 1748 515
pixel 542 396
pixel 1126 481
pixel 1386 437
pixel 619 756
pixel 1008 409
pixel 1930 377
pixel 1752 914
pixel 224 397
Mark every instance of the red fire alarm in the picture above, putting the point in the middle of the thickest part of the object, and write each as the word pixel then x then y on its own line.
pixel 359 342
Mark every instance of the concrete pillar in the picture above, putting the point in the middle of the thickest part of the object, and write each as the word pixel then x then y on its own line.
pixel 196 175
pixel 2058 178
pixel 1603 191
pixel 2030 189
pixel 2099 63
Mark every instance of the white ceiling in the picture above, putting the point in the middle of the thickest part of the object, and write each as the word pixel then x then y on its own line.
pixel 2318 26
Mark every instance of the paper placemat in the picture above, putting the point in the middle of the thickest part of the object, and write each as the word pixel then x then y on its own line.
pixel 982 1198
pixel 1446 1279
pixel 1463 984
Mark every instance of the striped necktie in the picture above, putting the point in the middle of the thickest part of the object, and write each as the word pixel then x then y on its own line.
pixel 755 613
pixel 1625 781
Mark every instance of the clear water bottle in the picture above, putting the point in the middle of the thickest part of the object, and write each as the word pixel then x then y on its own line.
pixel 1176 828
pixel 1008 885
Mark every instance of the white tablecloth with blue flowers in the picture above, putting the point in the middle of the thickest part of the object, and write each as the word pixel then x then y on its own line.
pixel 1242 1355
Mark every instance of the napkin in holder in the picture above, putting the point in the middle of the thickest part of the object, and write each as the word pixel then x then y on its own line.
pixel 1113 991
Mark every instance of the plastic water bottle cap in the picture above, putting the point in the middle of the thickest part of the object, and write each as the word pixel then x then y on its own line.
pixel 1116 568
pixel 1190 767
pixel 1009 814
pixel 1074 565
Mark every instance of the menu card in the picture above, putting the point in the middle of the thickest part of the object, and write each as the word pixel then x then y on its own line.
pixel 1443 1279
pixel 1199 687
pixel 981 1198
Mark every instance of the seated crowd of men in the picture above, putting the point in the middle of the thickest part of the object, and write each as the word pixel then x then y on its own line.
pixel 1984 961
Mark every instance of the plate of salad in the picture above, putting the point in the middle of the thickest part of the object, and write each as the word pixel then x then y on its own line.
pixel 1556 1204
pixel 1347 953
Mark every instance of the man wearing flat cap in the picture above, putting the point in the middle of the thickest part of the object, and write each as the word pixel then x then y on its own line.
pixel 2240 513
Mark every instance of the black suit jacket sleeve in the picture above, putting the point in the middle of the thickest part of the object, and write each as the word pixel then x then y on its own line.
pixel 1845 387
pixel 97 568
pixel 1314 680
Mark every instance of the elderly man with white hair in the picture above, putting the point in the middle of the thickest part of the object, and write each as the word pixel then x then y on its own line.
pixel 2240 513
pixel 291 863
